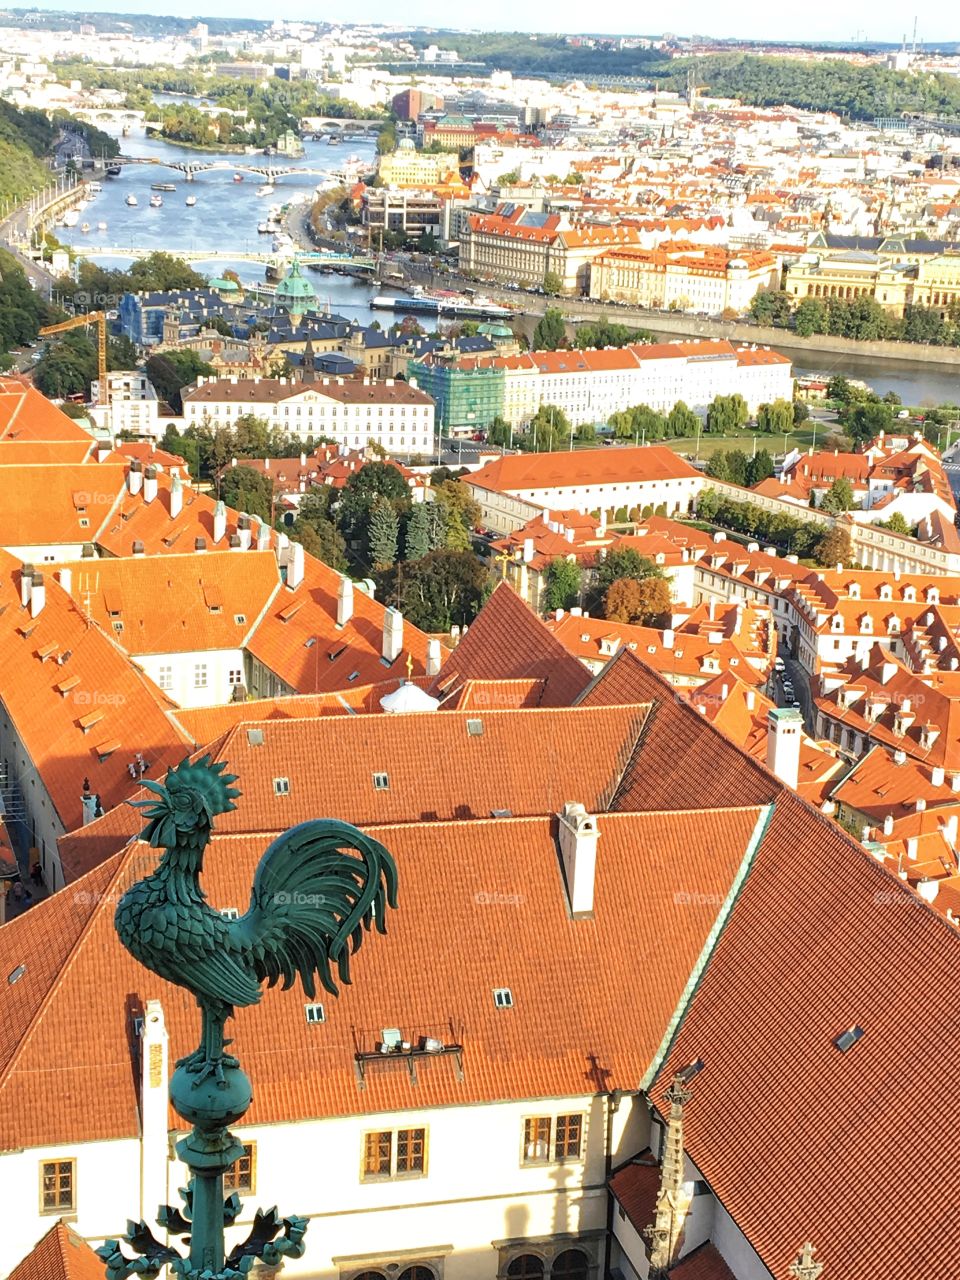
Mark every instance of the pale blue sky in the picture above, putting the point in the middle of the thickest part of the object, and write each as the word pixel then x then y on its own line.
pixel 815 20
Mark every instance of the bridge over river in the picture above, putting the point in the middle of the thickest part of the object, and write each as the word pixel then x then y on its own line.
pixel 268 167
pixel 344 261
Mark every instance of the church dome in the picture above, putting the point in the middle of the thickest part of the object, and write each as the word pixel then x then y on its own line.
pixel 294 293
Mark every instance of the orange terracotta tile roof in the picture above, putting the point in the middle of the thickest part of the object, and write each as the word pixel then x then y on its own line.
pixel 765 1016
pixel 338 656
pixel 42 505
pixel 18 453
pixel 635 1187
pixel 571 1005
pixel 166 604
pixel 507 641
pixel 704 1263
pixel 495 695
pixel 25 414
pixel 67 674
pixel 682 761
pixel 515 472
pixel 60 1255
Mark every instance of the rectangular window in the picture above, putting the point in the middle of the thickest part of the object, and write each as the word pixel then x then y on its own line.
pixel 200 675
pixel 567 1137
pixel 165 678
pixel 243 1176
pixel 58 1186
pixel 536 1139
pixel 235 677
pixel 395 1153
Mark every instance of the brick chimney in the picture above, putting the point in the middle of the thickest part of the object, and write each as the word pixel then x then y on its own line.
pixel 149 484
pixel 392 634
pixel 344 602
pixel 578 835
pixel 784 732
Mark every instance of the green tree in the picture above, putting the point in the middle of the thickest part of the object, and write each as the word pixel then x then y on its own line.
pixel 500 432
pixel 717 466
pixel 776 418
pixel 163 271
pixel 800 412
pixel 550 333
pixel 682 422
pixel 416 539
pixel 586 433
pixel 737 466
pixel 865 420
pixel 759 468
pixel 383 533
pixel 171 371
pixel 247 490
pixel 647 603
pixel 322 541
pixel 810 317
pixel 462 513
pixel 897 524
pixel 708 504
pixel 839 497
pixel 834 547
pixel 443 588
pixel 549 430
pixel 563 584
pixel 727 413
pixel 624 563
pixel 552 284
pixel 839 388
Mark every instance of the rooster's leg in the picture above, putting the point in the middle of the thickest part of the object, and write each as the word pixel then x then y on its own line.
pixel 209 1059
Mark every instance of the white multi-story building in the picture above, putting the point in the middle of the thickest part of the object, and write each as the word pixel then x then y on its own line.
pixel 591 385
pixel 352 411
pixel 129 404
pixel 517 487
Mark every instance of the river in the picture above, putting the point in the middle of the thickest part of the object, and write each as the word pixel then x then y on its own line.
pixel 225 216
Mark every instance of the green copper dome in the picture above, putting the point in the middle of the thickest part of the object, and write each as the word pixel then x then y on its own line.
pixel 294 293
pixel 222 285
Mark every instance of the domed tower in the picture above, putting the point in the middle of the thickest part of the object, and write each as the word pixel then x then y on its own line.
pixel 295 294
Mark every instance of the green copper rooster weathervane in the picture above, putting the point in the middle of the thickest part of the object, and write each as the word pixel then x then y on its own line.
pixel 312 900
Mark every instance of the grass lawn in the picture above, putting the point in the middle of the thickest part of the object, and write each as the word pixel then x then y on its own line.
pixel 802 438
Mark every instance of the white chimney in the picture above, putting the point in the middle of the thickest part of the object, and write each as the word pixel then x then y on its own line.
pixel 263 536
pixel 219 523
pixel 392 634
pixel 751 700
pixel 65 578
pixel 888 825
pixel 912 846
pixel 88 804
pixel 295 566
pixel 135 476
pixel 578 855
pixel 244 532
pixel 38 595
pixel 154 1083
pixel 26 582
pixel 950 831
pixel 303 459
pixel 344 602
pixel 784 732
pixel 668 638
pixel 937 775
pixel 176 497
pixel 433 656
pixel 149 484
pixel 527 550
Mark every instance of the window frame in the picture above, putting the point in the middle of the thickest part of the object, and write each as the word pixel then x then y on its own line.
pixel 394 1173
pixel 231 1178
pixel 553 1155
pixel 58 1208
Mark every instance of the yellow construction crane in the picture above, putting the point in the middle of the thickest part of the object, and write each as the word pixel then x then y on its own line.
pixel 100 320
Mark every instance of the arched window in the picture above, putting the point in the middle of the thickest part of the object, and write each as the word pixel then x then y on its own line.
pixel 369 1275
pixel 527 1267
pixel 573 1264
pixel 417 1273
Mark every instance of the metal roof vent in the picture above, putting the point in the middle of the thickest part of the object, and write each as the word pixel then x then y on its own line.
pixel 254 737
pixel 475 728
pixel 847 1039
pixel 16 974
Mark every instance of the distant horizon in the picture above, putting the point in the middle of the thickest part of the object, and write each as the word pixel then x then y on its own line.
pixel 888 25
